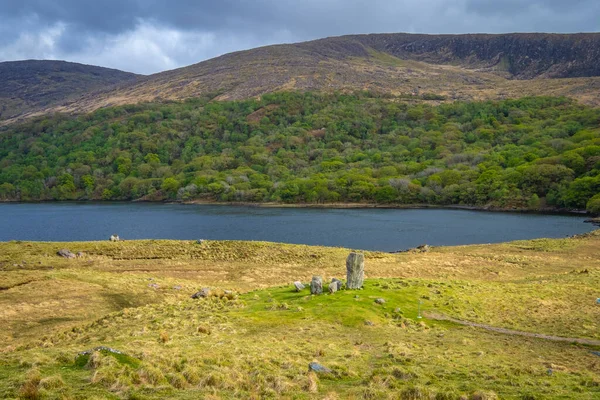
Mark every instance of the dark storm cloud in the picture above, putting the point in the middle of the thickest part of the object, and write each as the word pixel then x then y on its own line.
pixel 151 35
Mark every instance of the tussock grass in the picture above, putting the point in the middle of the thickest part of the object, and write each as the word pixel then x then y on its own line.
pixel 257 341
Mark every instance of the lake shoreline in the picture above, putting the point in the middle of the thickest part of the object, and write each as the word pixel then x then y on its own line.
pixel 333 206
pixel 549 211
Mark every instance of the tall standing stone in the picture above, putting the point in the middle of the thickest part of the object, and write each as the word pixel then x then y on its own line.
pixel 355 270
pixel 316 285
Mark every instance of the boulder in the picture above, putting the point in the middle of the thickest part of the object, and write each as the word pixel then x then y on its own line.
pixel 299 286
pixel 333 287
pixel 80 254
pixel 380 301
pixel 66 253
pixel 316 367
pixel 424 248
pixel 114 238
pixel 101 349
pixel 316 285
pixel 204 292
pixel 355 270
pixel 338 283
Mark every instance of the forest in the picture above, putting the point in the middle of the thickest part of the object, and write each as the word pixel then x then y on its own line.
pixel 535 153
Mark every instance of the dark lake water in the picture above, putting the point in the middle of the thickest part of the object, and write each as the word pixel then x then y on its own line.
pixel 369 229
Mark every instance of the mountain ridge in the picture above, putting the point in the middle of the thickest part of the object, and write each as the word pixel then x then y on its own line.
pixel 456 67
pixel 32 84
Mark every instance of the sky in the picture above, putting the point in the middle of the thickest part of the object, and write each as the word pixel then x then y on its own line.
pixel 148 36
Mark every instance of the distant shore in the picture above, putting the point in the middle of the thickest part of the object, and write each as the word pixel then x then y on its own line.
pixel 341 205
pixel 336 205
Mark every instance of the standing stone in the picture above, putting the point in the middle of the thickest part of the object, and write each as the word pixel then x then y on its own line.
pixel 299 286
pixel 338 283
pixel 355 270
pixel 333 287
pixel 316 285
pixel 114 238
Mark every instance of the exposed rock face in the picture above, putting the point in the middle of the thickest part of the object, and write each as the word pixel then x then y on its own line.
pixel 520 55
pixel 66 253
pixel 355 270
pixel 299 286
pixel 316 285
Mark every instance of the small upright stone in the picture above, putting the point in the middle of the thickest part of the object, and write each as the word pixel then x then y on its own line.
pixel 338 283
pixel 299 286
pixel 114 238
pixel 316 285
pixel 355 270
pixel 333 287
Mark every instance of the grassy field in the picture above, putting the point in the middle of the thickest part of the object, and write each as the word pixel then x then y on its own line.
pixel 257 340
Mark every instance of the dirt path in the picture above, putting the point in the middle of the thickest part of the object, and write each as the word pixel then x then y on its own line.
pixel 441 317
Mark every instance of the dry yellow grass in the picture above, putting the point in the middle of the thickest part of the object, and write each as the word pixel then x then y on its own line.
pixel 135 296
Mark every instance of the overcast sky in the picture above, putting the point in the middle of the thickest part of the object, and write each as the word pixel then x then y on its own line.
pixel 147 36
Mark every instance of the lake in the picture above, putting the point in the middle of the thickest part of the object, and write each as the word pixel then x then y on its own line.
pixel 369 229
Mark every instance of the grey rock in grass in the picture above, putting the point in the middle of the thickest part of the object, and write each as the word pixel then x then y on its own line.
pixel 333 287
pixel 338 283
pixel 101 349
pixel 424 248
pixel 380 301
pixel 299 286
pixel 355 270
pixel 204 292
pixel 66 253
pixel 316 285
pixel 80 254
pixel 114 238
pixel 316 367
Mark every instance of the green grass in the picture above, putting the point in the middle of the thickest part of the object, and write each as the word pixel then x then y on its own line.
pixel 257 342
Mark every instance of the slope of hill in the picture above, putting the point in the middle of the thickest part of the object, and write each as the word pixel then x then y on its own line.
pixel 34 84
pixel 313 148
pixel 458 67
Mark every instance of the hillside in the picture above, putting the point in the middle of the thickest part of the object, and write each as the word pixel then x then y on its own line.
pixel 459 67
pixel 257 339
pixel 534 153
pixel 27 86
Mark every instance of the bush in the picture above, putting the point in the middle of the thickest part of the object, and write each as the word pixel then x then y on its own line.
pixel 593 205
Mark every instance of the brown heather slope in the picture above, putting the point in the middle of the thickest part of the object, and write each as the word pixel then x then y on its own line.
pixel 35 84
pixel 459 67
